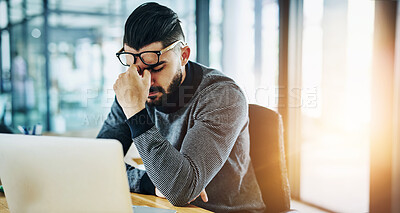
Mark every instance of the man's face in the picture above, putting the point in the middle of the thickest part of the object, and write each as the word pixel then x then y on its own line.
pixel 166 76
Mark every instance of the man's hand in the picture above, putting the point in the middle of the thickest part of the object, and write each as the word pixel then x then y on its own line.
pixel 158 193
pixel 203 195
pixel 132 90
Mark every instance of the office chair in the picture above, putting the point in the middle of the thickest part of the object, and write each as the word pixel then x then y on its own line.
pixel 268 157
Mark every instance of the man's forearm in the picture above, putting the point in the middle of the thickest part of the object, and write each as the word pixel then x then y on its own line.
pixel 171 172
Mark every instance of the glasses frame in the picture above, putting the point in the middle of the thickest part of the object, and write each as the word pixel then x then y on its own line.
pixel 159 53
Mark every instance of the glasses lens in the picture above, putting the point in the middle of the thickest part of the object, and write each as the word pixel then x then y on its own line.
pixel 126 59
pixel 149 58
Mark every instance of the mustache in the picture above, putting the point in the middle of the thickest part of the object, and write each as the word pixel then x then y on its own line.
pixel 157 89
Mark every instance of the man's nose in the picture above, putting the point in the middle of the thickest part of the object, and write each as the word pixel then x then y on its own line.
pixel 140 64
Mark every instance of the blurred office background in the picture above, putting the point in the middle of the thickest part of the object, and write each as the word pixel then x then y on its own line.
pixel 322 64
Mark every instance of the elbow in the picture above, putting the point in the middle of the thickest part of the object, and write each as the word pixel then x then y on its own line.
pixel 179 204
pixel 181 194
pixel 181 198
pixel 178 201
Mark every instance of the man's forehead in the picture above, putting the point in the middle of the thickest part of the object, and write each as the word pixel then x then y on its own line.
pixel 155 46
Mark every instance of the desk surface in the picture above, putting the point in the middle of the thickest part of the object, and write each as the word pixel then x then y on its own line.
pixel 137 199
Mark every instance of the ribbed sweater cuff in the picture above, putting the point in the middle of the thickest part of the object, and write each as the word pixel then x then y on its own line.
pixel 139 123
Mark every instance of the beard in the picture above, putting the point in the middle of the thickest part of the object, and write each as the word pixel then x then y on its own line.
pixel 172 87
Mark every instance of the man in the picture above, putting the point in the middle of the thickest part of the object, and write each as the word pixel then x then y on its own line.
pixel 188 122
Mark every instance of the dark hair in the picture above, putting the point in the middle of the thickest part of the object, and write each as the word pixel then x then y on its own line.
pixel 151 22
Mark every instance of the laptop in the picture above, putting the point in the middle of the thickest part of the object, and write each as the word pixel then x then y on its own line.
pixel 59 174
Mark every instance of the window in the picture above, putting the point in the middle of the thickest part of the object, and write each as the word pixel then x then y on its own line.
pixel 83 39
pixel 250 48
pixel 336 71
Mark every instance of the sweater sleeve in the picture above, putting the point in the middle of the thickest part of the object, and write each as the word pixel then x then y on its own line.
pixel 114 127
pixel 219 117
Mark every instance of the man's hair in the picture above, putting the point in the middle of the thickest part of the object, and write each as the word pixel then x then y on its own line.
pixel 151 22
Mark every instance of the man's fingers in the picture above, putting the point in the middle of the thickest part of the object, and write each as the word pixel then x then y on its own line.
pixel 204 196
pixel 192 200
pixel 158 193
pixel 134 69
pixel 146 77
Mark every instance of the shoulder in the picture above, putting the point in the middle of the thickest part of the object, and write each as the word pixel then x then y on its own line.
pixel 209 75
pixel 215 81
pixel 218 91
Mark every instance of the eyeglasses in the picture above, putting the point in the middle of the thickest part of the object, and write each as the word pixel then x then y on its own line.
pixel 150 58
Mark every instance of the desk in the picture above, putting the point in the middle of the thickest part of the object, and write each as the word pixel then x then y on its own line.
pixel 137 199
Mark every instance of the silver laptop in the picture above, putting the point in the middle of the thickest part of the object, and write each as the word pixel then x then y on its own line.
pixel 57 174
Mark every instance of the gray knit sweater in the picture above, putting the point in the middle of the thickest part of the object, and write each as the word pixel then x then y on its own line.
pixel 198 138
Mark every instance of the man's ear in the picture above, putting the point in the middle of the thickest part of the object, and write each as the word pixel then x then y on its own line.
pixel 185 53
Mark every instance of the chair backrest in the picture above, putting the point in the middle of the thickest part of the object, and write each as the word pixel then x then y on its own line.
pixel 268 157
